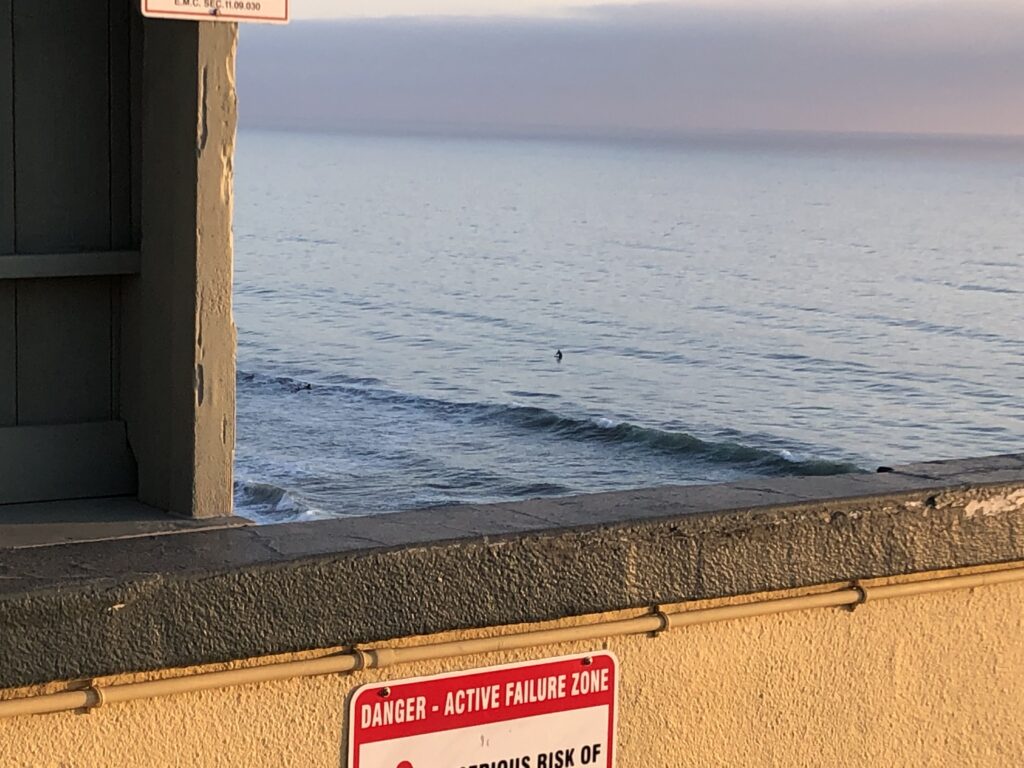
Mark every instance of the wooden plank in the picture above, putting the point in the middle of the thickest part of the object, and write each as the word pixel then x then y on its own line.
pixel 62 127
pixel 70 461
pixel 37 265
pixel 115 348
pixel 7 235
pixel 8 357
pixel 136 32
pixel 64 350
pixel 122 160
pixel 119 45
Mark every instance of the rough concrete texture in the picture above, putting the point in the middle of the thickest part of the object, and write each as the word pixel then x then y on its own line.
pixel 178 387
pixel 924 681
pixel 215 340
pixel 77 611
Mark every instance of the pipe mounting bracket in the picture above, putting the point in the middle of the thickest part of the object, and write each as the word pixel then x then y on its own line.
pixel 98 694
pixel 862 592
pixel 665 621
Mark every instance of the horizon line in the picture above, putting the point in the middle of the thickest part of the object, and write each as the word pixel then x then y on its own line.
pixel 557 133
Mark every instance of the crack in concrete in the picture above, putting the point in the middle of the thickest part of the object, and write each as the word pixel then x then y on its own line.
pixel 203 128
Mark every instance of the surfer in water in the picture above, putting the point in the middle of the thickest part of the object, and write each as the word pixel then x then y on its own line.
pixel 558 356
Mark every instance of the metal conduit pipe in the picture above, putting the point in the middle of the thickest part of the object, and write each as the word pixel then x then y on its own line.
pixel 850 596
pixel 389 657
pixel 98 696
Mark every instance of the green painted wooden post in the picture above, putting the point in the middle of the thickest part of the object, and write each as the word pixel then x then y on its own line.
pixel 8 370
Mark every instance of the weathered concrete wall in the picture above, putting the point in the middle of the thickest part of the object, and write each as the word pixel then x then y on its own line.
pixel 931 680
pixel 178 388
pixel 215 341
pixel 260 590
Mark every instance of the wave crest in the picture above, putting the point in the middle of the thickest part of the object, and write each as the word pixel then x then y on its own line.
pixel 598 429
pixel 267 503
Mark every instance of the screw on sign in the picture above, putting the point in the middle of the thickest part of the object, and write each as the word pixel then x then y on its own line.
pixel 553 713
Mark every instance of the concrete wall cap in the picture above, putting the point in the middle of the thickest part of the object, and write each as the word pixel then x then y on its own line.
pixel 85 610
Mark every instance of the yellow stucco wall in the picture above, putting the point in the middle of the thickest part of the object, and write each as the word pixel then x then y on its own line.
pixel 933 680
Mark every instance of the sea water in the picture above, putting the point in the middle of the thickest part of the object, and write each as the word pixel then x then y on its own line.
pixel 726 308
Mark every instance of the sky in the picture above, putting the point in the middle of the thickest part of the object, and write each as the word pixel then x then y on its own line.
pixel 573 67
pixel 340 9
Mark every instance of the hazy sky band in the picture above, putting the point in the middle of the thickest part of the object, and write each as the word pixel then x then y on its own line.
pixel 950 67
pixel 352 9
pixel 342 9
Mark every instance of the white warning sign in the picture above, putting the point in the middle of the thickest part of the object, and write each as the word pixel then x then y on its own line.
pixel 557 713
pixel 265 11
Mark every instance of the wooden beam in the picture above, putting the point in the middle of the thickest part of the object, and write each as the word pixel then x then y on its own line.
pixel 21 267
pixel 8 356
pixel 7 239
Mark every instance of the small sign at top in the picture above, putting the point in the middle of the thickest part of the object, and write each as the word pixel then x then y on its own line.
pixel 265 11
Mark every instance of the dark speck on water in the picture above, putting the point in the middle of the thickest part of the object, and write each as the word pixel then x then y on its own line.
pixel 736 311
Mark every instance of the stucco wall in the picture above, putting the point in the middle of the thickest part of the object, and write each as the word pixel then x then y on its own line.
pixel 928 680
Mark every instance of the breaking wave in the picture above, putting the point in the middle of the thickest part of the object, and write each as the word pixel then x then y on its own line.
pixel 594 429
pixel 267 503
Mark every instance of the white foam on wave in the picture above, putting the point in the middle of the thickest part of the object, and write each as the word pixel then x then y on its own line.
pixel 266 504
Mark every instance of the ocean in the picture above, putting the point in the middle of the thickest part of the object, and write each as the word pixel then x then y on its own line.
pixel 726 308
